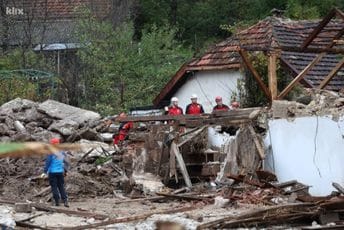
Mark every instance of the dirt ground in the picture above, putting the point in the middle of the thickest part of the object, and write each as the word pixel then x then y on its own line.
pixel 116 208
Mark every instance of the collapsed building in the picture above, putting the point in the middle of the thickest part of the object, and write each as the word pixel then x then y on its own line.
pixel 285 159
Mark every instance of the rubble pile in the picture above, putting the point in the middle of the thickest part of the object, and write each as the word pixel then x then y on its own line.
pixel 90 177
pixel 25 120
pixel 314 102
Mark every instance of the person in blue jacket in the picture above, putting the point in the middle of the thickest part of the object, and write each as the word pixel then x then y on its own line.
pixel 56 167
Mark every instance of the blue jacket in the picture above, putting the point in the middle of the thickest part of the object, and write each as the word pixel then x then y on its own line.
pixel 56 163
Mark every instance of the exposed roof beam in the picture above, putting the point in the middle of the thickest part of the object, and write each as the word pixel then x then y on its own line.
pixel 333 72
pixel 317 29
pixel 301 75
pixel 254 72
pixel 339 13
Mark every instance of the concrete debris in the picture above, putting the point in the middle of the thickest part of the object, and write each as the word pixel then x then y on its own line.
pixel 25 120
pixel 62 111
pixel 208 172
pixel 6 218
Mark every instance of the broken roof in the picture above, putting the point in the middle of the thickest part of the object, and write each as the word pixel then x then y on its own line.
pixel 273 33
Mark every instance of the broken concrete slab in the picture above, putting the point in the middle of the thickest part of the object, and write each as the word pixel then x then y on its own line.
pixel 62 111
pixel 7 218
pixel 64 127
pixel 17 105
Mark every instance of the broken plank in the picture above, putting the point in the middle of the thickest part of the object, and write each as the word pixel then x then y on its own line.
pixel 30 226
pixel 258 144
pixel 338 187
pixel 45 208
pixel 182 197
pixel 181 163
pixel 140 199
pixel 286 184
pixel 132 218
pixel 246 181
pixel 252 214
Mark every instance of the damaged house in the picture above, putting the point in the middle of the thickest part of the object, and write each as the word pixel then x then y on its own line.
pixel 294 137
pixel 295 43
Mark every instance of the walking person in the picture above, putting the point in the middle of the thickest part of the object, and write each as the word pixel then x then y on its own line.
pixel 56 167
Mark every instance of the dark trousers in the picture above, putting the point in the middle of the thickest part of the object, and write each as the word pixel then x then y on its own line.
pixel 56 181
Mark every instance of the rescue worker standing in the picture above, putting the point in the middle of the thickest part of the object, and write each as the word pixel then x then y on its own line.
pixel 219 105
pixel 194 107
pixel 56 167
pixel 174 109
pixel 123 130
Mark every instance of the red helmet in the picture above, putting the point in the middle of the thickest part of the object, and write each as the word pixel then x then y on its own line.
pixel 218 98
pixel 54 141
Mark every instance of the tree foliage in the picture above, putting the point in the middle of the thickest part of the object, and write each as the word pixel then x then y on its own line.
pixel 121 72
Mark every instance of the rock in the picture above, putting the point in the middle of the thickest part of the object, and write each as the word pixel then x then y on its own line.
pixel 64 127
pixel 62 111
pixel 17 105
pixel 7 218
pixel 33 115
pixel 106 137
pixel 45 136
pixel 21 137
pixel 9 122
pixel 46 122
pixel 3 129
pixel 23 207
pixel 95 146
pixel 19 127
pixel 31 127
pixel 220 202
pixel 147 182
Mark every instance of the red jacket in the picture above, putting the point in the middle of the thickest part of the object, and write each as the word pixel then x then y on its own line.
pixel 221 108
pixel 194 108
pixel 175 110
pixel 123 132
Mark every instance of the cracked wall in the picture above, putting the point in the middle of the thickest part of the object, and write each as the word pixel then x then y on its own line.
pixel 308 149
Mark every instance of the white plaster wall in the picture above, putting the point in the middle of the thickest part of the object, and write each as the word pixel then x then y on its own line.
pixel 207 85
pixel 308 149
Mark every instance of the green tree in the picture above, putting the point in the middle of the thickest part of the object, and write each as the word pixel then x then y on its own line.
pixel 120 72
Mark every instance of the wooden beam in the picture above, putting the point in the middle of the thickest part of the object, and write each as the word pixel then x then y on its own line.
pixel 181 163
pixel 333 72
pixel 339 13
pixel 259 147
pixel 255 74
pixel 132 218
pixel 301 75
pixel 272 75
pixel 338 187
pixel 317 29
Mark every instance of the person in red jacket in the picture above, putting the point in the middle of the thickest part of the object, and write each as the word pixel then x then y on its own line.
pixel 174 109
pixel 219 105
pixel 123 130
pixel 194 107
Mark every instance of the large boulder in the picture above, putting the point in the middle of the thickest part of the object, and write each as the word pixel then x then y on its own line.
pixel 62 111
pixel 64 127
pixel 17 105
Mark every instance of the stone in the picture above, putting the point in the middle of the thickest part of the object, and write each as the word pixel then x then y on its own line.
pixel 64 127
pixel 33 115
pixel 3 129
pixel 7 218
pixel 220 202
pixel 31 127
pixel 17 105
pixel 21 137
pixel 23 207
pixel 45 136
pixel 62 111
pixel 19 126
pixel 106 137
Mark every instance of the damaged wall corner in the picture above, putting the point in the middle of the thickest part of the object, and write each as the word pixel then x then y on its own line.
pixel 308 149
